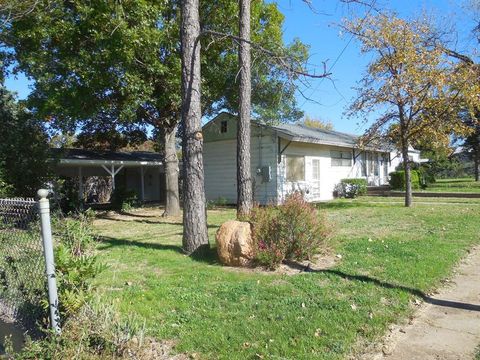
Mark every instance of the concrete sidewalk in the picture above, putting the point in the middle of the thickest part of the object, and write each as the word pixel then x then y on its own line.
pixel 447 326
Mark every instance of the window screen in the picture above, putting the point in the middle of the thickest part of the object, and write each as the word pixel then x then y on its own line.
pixel 223 127
pixel 341 158
pixel 295 168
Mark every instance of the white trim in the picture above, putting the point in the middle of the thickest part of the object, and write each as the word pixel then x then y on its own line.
pixel 77 162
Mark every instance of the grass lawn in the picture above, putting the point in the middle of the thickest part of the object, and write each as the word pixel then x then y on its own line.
pixel 455 185
pixel 389 254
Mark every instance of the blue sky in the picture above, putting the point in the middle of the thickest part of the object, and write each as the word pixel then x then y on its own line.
pixel 317 29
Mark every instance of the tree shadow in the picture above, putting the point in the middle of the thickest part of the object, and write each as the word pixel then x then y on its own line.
pixel 386 285
pixel 205 254
pixel 147 221
pixel 337 205
pixel 108 242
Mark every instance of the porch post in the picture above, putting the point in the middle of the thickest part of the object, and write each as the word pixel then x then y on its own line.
pixel 142 179
pixel 112 174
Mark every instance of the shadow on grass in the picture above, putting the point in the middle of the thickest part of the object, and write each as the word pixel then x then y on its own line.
pixel 386 285
pixel 336 205
pixel 204 254
pixel 146 221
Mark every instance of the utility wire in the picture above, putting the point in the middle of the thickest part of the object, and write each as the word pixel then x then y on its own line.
pixel 341 53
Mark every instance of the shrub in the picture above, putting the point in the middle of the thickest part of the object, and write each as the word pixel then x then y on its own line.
pixel 351 188
pixel 293 231
pixel 123 199
pixel 270 247
pixel 397 180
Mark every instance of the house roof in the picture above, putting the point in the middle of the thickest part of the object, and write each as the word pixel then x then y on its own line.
pixel 101 157
pixel 303 133
pixel 307 134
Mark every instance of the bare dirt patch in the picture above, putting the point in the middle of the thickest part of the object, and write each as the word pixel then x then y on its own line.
pixel 288 267
pixel 150 349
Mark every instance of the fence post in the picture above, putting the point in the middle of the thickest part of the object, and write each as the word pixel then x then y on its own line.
pixel 44 210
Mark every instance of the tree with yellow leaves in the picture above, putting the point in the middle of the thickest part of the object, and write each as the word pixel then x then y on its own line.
pixel 412 84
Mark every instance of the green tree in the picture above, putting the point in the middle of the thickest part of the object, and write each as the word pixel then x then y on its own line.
pixel 24 158
pixel 316 123
pixel 412 83
pixel 120 62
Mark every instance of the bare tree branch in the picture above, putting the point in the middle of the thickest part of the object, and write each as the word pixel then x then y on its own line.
pixel 282 60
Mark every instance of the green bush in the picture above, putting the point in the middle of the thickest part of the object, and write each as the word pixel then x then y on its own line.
pixel 397 179
pixel 351 188
pixel 294 231
pixel 123 199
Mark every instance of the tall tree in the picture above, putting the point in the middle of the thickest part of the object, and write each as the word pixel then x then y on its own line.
pixel 410 81
pixel 471 143
pixel 244 177
pixel 195 236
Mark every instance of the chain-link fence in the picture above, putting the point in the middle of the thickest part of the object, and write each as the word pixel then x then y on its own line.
pixel 22 265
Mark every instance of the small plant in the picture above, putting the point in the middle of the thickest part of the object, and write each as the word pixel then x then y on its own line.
pixel 75 261
pixel 294 231
pixel 352 188
pixel 95 332
pixel 221 201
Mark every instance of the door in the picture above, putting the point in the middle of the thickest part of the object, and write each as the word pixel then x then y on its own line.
pixel 315 181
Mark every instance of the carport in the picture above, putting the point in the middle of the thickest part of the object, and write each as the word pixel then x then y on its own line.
pixel 140 171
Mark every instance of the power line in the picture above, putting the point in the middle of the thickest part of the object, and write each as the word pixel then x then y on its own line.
pixel 341 53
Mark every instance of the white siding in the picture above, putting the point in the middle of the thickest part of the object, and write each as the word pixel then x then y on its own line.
pixel 330 176
pixel 220 167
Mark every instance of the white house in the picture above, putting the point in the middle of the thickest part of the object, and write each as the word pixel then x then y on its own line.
pixel 289 157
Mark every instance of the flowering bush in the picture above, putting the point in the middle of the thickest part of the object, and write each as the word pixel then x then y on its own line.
pixel 294 230
pixel 352 188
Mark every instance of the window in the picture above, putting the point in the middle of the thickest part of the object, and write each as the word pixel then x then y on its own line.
pixel 316 169
pixel 341 158
pixel 295 168
pixel 223 127
pixel 363 164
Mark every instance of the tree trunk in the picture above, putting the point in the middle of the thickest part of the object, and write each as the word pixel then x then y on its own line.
pixel 244 177
pixel 476 164
pixel 172 199
pixel 408 180
pixel 195 236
